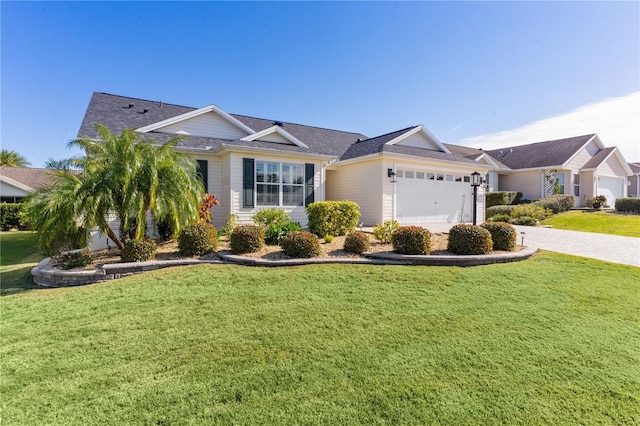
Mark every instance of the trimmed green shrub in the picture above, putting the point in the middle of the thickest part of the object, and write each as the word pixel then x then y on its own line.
pixel 502 198
pixel 138 250
pixel 247 239
pixel 557 203
pixel 78 259
pixel 328 239
pixel 495 210
pixel 384 232
pixel 524 221
pixel 469 239
pixel 197 239
pixel 503 235
pixel 500 218
pixel 270 216
pixel 275 232
pixel 356 242
pixel 533 210
pixel 301 244
pixel 411 240
pixel 13 216
pixel 628 205
pixel 333 217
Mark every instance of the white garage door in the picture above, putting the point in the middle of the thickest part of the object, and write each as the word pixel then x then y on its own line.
pixel 611 187
pixel 432 197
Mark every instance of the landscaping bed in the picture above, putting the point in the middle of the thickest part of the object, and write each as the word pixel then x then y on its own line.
pixel 169 251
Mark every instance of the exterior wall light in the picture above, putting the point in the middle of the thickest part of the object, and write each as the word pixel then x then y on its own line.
pixel 476 181
pixel 392 176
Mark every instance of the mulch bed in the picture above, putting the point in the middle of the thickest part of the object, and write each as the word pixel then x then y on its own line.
pixel 169 251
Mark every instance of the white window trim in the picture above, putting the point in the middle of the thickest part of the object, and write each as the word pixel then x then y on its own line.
pixel 280 184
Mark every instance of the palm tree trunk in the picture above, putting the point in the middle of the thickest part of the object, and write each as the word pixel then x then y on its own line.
pixel 114 238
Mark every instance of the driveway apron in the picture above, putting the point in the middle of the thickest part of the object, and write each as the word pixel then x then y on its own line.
pixel 612 248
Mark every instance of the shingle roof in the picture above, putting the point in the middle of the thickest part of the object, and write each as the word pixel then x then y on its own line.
pixel 33 178
pixel 379 144
pixel 540 154
pixel 113 111
pixel 597 159
pixel 635 167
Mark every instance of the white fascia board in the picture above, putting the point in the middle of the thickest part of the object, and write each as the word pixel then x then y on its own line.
pixel 425 132
pixel 276 152
pixel 404 157
pixel 595 138
pixel 487 158
pixel 15 183
pixel 195 113
pixel 275 129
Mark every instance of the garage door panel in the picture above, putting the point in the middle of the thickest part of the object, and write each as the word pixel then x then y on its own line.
pixel 610 187
pixel 431 200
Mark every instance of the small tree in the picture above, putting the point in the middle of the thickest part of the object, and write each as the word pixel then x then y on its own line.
pixel 11 158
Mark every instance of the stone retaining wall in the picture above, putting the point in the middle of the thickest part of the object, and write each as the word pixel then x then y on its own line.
pixel 46 275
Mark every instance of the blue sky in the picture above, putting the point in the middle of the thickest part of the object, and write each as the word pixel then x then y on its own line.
pixel 467 71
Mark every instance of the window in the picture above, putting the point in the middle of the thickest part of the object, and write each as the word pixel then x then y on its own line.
pixel 439 177
pixel 203 173
pixel 559 186
pixel 408 175
pixel 576 185
pixel 458 178
pixel 466 179
pixel 273 179
pixel 449 178
pixel 431 176
pixel 419 175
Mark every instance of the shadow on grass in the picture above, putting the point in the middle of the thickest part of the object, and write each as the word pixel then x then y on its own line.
pixel 17 279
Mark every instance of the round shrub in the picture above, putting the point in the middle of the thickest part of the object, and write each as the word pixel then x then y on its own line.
pixel 356 242
pixel 270 216
pixel 411 240
pixel 494 210
pixel 500 218
pixel 247 239
pixel 534 210
pixel 276 231
pixel 469 239
pixel 503 235
pixel 300 244
pixel 197 239
pixel 557 203
pixel 524 221
pixel 384 232
pixel 138 250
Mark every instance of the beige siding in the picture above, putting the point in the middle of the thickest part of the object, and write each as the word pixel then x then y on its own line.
pixel 215 187
pixel 611 167
pixel 417 140
pixel 634 187
pixel 277 138
pixel 208 125
pixel 362 183
pixel 582 157
pixel 297 213
pixel 529 183
pixel 587 186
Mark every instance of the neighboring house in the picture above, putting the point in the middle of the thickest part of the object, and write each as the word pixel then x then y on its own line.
pixel 18 182
pixel 252 163
pixel 634 180
pixel 581 166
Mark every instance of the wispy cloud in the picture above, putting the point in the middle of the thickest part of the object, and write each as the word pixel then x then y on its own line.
pixel 615 120
pixel 456 128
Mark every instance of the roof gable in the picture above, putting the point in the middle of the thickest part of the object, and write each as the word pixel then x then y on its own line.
pixel 210 121
pixel 603 155
pixel 275 134
pixel 419 137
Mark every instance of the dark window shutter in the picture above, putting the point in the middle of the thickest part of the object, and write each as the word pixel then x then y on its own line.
pixel 309 171
pixel 203 173
pixel 248 179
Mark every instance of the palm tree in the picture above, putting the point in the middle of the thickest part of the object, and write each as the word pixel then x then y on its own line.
pixel 64 164
pixel 121 176
pixel 12 159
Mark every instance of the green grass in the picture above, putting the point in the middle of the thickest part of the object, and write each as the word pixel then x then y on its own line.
pixel 597 221
pixel 551 340
pixel 18 254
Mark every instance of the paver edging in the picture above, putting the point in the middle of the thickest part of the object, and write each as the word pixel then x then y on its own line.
pixel 46 275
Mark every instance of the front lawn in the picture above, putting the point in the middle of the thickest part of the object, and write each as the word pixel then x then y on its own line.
pixel 18 254
pixel 551 340
pixel 596 221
